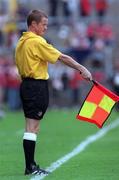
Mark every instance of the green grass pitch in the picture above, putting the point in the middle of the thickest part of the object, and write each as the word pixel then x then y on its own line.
pixel 60 133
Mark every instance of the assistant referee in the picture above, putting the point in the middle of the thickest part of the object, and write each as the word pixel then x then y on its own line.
pixel 32 56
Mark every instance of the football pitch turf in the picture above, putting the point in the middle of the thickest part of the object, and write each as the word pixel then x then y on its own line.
pixel 60 133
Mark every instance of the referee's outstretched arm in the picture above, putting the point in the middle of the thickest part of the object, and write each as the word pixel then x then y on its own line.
pixel 68 60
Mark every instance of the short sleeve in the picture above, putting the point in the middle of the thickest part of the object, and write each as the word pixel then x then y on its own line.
pixel 48 52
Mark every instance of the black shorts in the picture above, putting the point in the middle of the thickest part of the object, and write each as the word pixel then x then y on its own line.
pixel 35 97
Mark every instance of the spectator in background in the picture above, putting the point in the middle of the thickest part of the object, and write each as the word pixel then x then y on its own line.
pixel 98 50
pixel 3 83
pixel 11 34
pixel 3 19
pixel 56 84
pixel 53 5
pixel 53 10
pixel 74 9
pixel 13 84
pixel 1 38
pixel 22 12
pixel 106 32
pixel 101 7
pixel 74 84
pixel 79 44
pixel 65 81
pixel 66 11
pixel 98 71
pixel 102 31
pixel 98 60
pixel 115 81
pixel 85 8
pixel 91 30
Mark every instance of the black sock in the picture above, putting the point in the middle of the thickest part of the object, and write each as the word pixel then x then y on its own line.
pixel 29 150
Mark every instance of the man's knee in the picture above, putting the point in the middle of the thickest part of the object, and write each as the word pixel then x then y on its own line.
pixel 32 126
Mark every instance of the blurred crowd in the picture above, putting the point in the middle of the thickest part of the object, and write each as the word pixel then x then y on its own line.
pixel 81 29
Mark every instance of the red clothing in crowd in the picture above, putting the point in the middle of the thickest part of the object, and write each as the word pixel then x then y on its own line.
pixel 103 31
pixel 92 29
pixel 86 8
pixel 3 81
pixel 101 5
pixel 13 80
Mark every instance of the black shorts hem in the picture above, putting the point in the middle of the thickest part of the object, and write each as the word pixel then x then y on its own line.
pixel 34 118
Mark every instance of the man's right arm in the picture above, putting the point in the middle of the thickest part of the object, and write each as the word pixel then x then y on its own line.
pixel 69 61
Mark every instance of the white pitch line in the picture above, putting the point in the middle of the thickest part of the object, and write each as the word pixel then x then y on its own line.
pixel 81 147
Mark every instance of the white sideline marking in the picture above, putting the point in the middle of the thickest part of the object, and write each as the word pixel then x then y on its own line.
pixel 81 147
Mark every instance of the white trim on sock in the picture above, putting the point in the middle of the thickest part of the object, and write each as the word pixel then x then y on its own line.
pixel 30 136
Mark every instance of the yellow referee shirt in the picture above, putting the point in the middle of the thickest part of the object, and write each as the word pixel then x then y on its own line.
pixel 33 54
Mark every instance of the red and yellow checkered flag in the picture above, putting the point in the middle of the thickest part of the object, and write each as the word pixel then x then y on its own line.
pixel 98 105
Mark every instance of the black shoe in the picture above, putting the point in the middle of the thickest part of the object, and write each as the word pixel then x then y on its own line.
pixel 35 170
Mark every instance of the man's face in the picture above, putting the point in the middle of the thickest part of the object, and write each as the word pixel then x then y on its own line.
pixel 41 27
